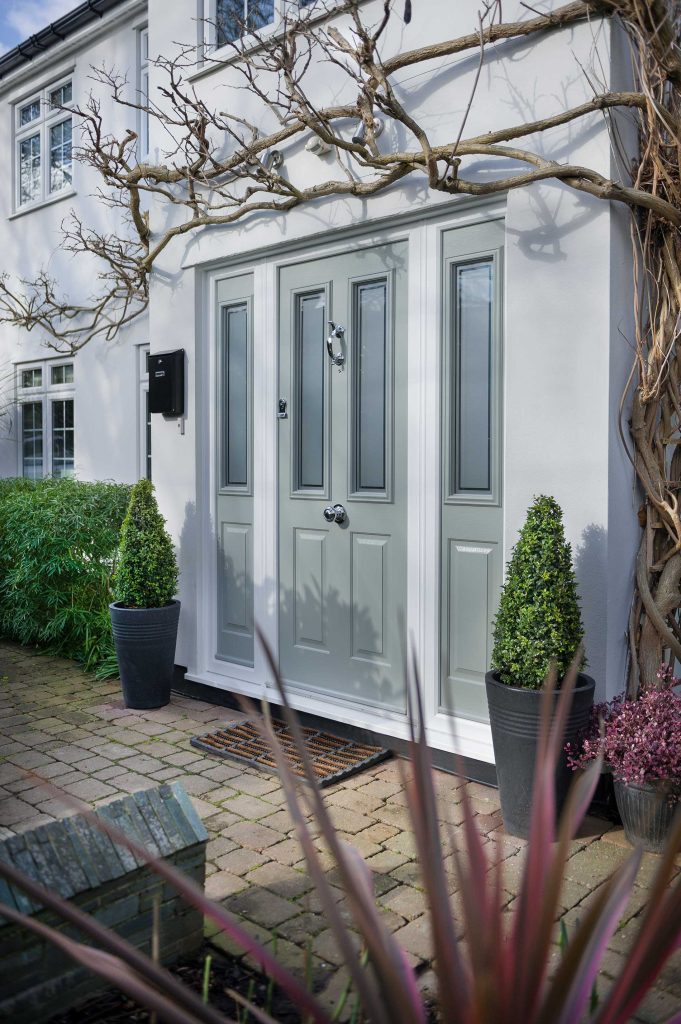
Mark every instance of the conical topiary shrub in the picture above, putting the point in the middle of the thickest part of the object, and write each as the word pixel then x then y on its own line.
pixel 144 616
pixel 539 621
pixel 146 576
pixel 538 624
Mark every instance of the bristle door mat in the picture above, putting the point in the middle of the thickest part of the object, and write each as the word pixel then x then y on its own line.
pixel 333 758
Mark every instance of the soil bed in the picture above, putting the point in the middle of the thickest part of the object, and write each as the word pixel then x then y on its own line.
pixel 113 1007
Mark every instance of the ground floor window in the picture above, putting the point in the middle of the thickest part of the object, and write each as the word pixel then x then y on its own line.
pixel 46 419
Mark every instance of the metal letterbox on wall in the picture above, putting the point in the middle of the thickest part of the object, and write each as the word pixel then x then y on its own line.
pixel 166 382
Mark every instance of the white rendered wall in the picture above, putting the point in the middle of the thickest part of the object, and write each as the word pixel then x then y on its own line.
pixel 106 374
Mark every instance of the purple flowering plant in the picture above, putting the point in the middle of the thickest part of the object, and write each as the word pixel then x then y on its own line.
pixel 640 740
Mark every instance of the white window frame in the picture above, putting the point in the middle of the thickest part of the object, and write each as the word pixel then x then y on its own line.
pixel 144 452
pixel 40 126
pixel 142 86
pixel 44 395
pixel 207 22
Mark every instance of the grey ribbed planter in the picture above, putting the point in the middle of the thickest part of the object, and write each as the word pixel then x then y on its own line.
pixel 145 648
pixel 514 716
pixel 646 814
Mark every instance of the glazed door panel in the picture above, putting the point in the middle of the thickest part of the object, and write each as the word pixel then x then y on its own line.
pixel 343 442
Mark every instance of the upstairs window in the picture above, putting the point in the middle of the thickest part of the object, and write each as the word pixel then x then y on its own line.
pixel 234 18
pixel 230 20
pixel 43 145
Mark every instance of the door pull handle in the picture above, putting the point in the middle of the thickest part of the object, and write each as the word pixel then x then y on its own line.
pixel 337 358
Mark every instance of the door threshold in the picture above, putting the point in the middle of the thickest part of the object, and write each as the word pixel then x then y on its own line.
pixel 468 767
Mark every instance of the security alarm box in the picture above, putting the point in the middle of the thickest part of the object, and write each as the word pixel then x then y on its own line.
pixel 166 382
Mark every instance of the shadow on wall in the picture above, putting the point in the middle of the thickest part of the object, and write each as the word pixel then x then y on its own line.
pixel 590 560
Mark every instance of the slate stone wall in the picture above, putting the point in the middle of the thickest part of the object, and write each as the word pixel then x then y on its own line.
pixel 72 858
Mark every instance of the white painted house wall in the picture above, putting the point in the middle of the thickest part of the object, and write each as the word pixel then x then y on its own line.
pixel 106 379
pixel 566 325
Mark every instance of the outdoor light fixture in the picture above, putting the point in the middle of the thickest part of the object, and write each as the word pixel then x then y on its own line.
pixel 273 159
pixel 361 130
pixel 317 146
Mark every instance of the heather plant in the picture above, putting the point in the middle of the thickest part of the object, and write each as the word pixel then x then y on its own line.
pixel 146 575
pixel 58 544
pixel 639 740
pixel 539 622
pixel 498 975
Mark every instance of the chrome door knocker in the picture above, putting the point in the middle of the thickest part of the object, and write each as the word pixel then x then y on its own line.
pixel 337 358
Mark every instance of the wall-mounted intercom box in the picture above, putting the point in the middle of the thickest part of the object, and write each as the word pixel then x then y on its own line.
pixel 166 382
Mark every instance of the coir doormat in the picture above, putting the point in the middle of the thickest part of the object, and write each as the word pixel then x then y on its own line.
pixel 332 757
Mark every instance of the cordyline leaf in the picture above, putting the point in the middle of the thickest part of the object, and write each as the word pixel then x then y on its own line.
pixel 480 892
pixel 256 1012
pixel 579 798
pixel 358 868
pixel 452 972
pixel 363 984
pixel 530 966
pixel 113 943
pixel 386 957
pixel 109 967
pixel 657 937
pixel 576 973
pixel 194 894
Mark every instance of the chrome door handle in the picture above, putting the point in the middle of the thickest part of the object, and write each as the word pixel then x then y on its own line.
pixel 334 514
pixel 337 358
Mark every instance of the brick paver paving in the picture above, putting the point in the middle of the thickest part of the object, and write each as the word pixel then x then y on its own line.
pixel 61 724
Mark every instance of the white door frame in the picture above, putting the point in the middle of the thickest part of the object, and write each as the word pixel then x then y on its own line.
pixel 470 739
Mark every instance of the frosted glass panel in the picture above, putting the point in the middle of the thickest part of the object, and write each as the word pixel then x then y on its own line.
pixel 311 366
pixel 370 386
pixel 235 396
pixel 472 406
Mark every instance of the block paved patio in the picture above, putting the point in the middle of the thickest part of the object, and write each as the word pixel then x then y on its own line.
pixel 58 722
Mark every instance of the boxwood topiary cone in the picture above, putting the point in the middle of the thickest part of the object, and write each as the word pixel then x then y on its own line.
pixel 539 621
pixel 144 616
pixel 146 576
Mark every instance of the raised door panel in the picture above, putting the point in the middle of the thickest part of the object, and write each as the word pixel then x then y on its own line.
pixel 370 597
pixel 470 601
pixel 310 589
pixel 235 592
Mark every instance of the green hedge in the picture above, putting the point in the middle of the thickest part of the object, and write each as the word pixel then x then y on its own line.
pixel 58 544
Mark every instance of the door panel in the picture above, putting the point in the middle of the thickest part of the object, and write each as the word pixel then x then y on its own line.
pixel 370 559
pixel 234 500
pixel 343 585
pixel 471 533
pixel 310 588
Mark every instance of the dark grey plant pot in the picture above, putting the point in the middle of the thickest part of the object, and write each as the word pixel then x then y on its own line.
pixel 145 648
pixel 515 715
pixel 646 813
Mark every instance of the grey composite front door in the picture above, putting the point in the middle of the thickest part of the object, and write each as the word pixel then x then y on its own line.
pixel 342 442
